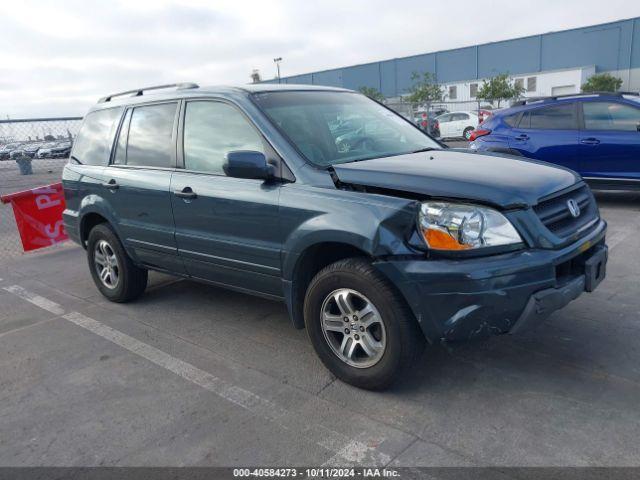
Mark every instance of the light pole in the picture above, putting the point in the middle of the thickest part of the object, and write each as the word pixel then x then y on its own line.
pixel 277 62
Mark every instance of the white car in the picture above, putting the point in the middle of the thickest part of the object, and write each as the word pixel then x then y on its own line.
pixel 457 124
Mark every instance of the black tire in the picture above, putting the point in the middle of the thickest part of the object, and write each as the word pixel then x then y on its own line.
pixel 132 280
pixel 404 339
pixel 467 133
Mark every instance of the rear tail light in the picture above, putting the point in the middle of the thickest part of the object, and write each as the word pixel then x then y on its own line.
pixel 436 125
pixel 423 123
pixel 479 132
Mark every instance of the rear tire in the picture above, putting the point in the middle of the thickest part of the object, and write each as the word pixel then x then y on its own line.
pixel 112 270
pixel 379 337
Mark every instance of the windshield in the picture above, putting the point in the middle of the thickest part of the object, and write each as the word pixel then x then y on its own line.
pixel 338 127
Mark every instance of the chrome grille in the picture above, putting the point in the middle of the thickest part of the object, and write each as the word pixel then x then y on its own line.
pixel 554 212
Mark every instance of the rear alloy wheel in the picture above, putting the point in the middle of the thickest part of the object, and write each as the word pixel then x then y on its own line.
pixel 112 270
pixel 359 325
pixel 467 133
pixel 106 264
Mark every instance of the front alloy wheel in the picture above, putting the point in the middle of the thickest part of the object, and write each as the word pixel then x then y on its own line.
pixel 359 325
pixel 353 328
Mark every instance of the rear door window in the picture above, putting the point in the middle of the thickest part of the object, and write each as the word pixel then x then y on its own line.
pixel 151 141
pixel 556 117
pixel 611 116
pixel 94 141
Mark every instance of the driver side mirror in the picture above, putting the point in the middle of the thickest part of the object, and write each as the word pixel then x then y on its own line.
pixel 248 164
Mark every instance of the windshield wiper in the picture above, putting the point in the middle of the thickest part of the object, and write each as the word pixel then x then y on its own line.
pixel 76 160
pixel 426 149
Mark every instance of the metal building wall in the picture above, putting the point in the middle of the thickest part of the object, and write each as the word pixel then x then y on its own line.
pixel 613 47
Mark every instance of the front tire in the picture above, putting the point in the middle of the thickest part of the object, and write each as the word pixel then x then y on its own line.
pixel 467 133
pixel 112 270
pixel 359 325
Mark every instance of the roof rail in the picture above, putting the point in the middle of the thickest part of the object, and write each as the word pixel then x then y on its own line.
pixel 524 101
pixel 139 91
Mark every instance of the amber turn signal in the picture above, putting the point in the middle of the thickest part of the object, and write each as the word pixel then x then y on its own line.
pixel 440 240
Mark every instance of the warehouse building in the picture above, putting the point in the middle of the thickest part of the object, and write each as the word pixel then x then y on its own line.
pixel 551 63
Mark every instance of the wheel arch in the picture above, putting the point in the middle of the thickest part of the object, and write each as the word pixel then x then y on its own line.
pixel 307 264
pixel 87 222
pixel 92 212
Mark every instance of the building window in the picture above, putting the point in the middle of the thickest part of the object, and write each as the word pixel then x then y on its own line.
pixel 473 90
pixel 519 83
pixel 453 92
pixel 531 84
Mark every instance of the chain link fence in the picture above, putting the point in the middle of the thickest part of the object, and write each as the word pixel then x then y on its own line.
pixel 32 153
pixel 404 108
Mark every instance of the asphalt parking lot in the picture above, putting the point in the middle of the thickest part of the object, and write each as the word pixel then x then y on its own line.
pixel 195 375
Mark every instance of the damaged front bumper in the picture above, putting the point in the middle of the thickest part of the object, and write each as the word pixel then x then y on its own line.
pixel 457 299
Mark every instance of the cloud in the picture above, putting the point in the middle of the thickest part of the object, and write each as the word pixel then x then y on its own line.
pixel 58 57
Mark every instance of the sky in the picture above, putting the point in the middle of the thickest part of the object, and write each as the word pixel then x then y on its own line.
pixel 58 57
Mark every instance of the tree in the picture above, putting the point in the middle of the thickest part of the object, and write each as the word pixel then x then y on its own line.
pixel 372 93
pixel 498 88
pixel 602 82
pixel 424 90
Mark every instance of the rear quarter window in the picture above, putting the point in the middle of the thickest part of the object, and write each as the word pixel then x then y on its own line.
pixel 94 141
pixel 511 120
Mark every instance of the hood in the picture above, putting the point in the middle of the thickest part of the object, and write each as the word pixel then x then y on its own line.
pixel 505 181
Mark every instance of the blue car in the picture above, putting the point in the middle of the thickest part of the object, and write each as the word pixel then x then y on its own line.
pixel 597 135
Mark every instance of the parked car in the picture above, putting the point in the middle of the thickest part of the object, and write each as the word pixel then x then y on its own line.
pixel 597 135
pixel 373 250
pixel 61 150
pixel 427 122
pixel 457 124
pixel 18 152
pixel 45 150
pixel 30 149
pixel 483 114
pixel 437 111
pixel 5 150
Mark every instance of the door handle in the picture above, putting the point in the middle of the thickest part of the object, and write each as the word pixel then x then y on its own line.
pixel 522 137
pixel 590 141
pixel 186 193
pixel 111 185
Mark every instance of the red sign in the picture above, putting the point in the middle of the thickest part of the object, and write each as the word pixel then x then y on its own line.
pixel 38 215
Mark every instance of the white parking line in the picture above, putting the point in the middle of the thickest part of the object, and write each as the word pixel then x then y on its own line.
pixel 345 449
pixel 35 299
pixel 183 369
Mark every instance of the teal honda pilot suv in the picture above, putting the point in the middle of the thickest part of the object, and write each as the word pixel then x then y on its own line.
pixel 377 248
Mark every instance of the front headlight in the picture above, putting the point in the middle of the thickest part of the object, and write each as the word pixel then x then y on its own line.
pixel 452 226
